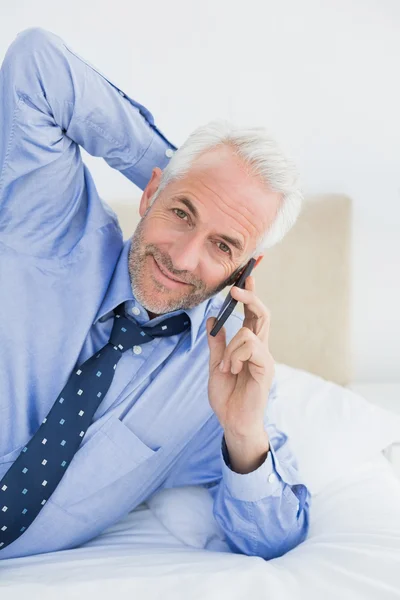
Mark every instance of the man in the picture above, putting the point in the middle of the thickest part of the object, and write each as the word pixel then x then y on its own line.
pixel 173 415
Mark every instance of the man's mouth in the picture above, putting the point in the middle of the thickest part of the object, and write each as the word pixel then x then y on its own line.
pixel 166 277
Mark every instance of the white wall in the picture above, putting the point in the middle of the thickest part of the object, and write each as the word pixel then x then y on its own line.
pixel 321 75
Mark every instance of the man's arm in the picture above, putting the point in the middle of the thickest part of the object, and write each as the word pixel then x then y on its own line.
pixel 51 102
pixel 264 512
pixel 271 499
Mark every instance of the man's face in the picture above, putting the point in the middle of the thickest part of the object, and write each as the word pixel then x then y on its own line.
pixel 228 202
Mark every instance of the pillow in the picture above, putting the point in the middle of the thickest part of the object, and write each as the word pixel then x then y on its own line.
pixel 187 513
pixel 364 501
pixel 330 428
pixel 352 548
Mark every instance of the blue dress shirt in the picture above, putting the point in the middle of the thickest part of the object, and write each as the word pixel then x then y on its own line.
pixel 63 268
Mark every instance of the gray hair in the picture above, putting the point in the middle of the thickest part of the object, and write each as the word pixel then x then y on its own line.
pixel 265 160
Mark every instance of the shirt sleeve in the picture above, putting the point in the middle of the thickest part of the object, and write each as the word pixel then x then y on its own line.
pixel 262 513
pixel 52 102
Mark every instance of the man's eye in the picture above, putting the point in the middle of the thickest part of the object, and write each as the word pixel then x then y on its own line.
pixel 181 211
pixel 227 247
pixel 227 251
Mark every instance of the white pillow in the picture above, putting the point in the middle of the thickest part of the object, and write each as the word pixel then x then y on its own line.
pixel 330 428
pixel 187 513
pixel 353 545
pixel 364 501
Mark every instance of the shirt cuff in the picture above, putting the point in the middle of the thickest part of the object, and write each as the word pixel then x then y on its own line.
pixel 253 486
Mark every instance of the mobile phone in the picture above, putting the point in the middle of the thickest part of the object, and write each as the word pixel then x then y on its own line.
pixel 229 302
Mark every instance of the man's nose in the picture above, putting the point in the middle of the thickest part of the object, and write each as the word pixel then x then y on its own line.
pixel 185 253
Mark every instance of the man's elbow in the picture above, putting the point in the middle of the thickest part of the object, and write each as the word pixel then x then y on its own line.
pixel 296 535
pixel 270 549
pixel 28 42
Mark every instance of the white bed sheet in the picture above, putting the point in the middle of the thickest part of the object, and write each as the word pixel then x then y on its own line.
pixel 353 551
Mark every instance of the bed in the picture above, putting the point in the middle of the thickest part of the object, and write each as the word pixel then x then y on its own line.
pixel 345 435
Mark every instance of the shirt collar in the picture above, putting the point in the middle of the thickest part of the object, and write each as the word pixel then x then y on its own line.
pixel 120 290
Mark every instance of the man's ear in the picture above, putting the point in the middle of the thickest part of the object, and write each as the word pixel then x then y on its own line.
pixel 150 190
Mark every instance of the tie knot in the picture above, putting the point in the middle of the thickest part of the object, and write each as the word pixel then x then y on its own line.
pixel 127 332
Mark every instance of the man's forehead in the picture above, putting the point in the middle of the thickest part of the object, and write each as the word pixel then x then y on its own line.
pixel 227 181
pixel 219 172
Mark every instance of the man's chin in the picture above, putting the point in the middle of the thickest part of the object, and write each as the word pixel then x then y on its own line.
pixel 169 300
pixel 176 303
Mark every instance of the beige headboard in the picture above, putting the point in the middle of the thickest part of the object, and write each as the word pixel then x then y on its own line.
pixel 305 282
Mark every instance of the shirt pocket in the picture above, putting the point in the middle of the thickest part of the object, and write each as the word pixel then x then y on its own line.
pixel 7 459
pixel 112 452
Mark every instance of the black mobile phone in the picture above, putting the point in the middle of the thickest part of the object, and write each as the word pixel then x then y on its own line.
pixel 229 302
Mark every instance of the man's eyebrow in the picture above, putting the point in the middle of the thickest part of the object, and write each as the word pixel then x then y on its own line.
pixel 191 207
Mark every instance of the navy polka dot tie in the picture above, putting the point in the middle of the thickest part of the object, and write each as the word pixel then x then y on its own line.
pixel 40 466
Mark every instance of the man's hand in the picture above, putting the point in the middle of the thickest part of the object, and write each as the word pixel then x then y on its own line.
pixel 238 394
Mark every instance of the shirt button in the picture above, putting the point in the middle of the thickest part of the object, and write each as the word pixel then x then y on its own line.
pixel 137 349
pixel 122 93
pixel 272 478
pixel 135 311
pixel 169 153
